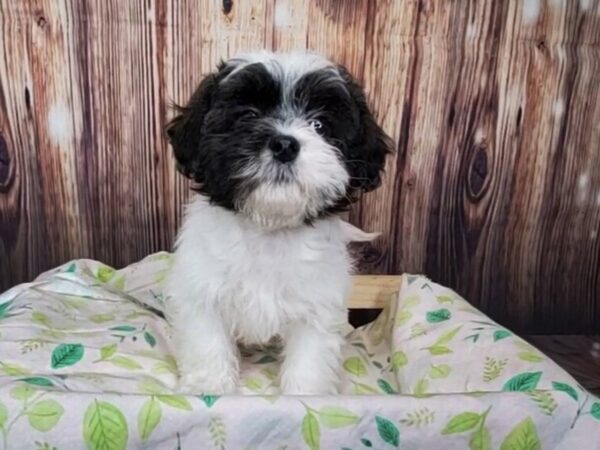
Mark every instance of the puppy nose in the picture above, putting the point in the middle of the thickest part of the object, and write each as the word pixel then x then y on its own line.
pixel 284 148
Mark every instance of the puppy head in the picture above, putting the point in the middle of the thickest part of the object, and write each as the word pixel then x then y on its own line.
pixel 279 138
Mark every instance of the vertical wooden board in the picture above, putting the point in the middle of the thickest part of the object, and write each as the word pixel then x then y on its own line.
pixel 117 66
pixel 551 217
pixel 507 149
pixel 488 278
pixel 386 76
pixel 332 25
pixel 431 163
pixel 22 250
pixel 574 219
pixel 289 20
pixel 457 154
pixel 57 115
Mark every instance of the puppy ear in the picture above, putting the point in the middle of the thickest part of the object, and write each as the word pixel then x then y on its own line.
pixel 371 146
pixel 185 129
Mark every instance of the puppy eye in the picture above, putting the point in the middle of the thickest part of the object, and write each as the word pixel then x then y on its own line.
pixel 249 114
pixel 317 125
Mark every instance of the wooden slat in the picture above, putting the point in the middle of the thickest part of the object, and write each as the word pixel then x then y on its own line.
pixel 373 291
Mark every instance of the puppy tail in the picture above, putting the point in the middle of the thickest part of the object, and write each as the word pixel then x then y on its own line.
pixel 354 234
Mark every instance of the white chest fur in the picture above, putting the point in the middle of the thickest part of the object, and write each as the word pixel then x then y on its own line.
pixel 259 280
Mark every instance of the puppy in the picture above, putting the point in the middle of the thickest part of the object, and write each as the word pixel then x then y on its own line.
pixel 276 144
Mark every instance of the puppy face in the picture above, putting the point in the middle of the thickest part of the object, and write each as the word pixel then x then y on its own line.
pixel 281 139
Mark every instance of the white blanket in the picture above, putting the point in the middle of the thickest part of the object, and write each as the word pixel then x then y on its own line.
pixel 85 363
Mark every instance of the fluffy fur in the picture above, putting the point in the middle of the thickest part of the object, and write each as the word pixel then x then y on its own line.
pixel 277 144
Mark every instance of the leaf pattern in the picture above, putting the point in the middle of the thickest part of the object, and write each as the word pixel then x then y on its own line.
pixel 481 439
pixel 337 417
pixel 209 400
pixel 105 427
pixel 31 345
pixel 107 351
pixel 355 366
pixel 526 381
pixel 523 437
pixel 417 330
pixel 385 386
pixel 399 360
pixel 126 328
pixel 403 317
pixel 530 357
pixel 11 369
pixel 149 418
pixel 175 401
pixel 419 418
pixel 104 274
pixel 501 334
pixel 218 432
pixel 444 299
pixel 102 318
pixel 362 388
pixel 439 371
pixel 4 308
pixel 544 401
pixel 366 442
pixel 22 392
pixel 45 414
pixel 462 422
pixel 149 338
pixel 388 432
pixel 38 381
pixel 66 355
pixel 567 389
pixel 421 387
pixel 493 368
pixel 439 347
pixel 595 410
pixel 311 432
pixel 3 415
pixel 439 315
pixel 124 362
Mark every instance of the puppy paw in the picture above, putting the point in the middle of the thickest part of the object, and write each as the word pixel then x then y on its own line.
pixel 290 386
pixel 201 383
pixel 208 375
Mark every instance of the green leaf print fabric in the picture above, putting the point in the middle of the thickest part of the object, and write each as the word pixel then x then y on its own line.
pixel 86 363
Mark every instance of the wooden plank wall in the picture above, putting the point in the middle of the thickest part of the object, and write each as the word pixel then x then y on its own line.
pixel 494 105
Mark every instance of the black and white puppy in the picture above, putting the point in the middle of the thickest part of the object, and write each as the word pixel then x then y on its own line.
pixel 277 144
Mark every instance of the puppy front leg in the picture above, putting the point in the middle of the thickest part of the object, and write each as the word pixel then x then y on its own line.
pixel 312 361
pixel 207 356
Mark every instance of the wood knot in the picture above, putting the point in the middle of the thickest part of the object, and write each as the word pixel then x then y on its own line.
pixel 4 164
pixel 541 46
pixel 27 99
pixel 411 180
pixel 227 6
pixel 478 172
pixel 41 21
pixel 451 115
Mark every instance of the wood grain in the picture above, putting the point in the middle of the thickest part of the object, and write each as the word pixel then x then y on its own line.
pixel 494 189
pixel 373 291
